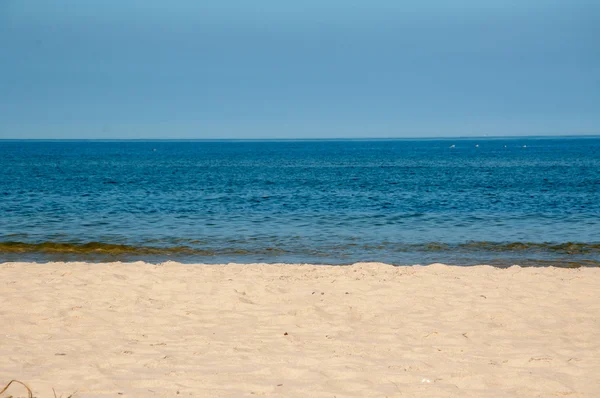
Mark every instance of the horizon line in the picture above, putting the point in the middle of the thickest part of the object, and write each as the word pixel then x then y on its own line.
pixel 595 135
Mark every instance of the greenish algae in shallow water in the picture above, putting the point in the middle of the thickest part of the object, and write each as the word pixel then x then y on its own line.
pixel 94 248
pixel 567 248
pixel 118 249
pixel 568 255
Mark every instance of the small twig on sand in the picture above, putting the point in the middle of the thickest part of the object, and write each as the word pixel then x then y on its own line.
pixel 21 383
pixel 70 396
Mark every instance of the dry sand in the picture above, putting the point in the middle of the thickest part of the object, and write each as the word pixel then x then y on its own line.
pixel 143 330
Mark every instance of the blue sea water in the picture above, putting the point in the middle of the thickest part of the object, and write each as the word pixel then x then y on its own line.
pixel 529 201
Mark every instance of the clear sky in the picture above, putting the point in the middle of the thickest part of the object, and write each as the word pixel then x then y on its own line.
pixel 301 69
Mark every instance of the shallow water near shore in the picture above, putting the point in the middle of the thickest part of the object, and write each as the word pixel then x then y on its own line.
pixel 528 201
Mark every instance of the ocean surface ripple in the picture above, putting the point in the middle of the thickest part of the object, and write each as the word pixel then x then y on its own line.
pixel 506 201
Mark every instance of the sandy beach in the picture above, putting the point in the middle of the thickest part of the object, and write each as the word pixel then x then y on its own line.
pixel 366 330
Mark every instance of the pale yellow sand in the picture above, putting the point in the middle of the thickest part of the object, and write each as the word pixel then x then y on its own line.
pixel 142 330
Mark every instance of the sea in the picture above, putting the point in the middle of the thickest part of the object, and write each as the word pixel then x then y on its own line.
pixel 531 201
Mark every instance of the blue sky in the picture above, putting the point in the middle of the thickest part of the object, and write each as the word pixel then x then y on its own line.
pixel 310 69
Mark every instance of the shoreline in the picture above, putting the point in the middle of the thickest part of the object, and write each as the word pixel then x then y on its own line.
pixel 497 254
pixel 547 264
pixel 367 329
